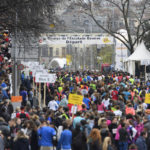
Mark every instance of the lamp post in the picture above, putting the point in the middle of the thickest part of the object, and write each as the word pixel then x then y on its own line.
pixel 122 57
pixel 15 60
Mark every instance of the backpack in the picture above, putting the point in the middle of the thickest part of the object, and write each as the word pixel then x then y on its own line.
pixel 23 117
pixel 130 133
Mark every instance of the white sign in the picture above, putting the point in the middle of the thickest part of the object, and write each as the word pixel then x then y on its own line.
pixel 45 78
pixel 76 39
pixel 30 64
pixel 37 67
pixel 121 56
pixel 39 71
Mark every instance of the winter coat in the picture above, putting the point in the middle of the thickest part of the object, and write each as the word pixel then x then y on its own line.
pixel 1 143
pixel 141 143
pixel 4 128
pixel 21 144
pixel 78 140
pixel 95 145
pixel 34 140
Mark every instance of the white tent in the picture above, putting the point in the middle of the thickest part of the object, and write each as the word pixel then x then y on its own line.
pixel 57 62
pixel 140 54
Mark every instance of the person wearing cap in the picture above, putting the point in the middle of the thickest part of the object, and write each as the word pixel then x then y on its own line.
pixel 45 136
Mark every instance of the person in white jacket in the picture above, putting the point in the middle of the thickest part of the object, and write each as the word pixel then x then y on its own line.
pixel 52 105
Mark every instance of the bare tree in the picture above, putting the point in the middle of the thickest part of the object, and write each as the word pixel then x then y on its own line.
pixel 129 11
pixel 27 15
pixel 147 36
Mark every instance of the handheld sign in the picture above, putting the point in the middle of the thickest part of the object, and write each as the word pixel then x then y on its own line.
pixel 147 98
pixel 75 99
pixel 16 99
pixel 45 78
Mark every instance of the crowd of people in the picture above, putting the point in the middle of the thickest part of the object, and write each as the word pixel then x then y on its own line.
pixel 6 108
pixel 113 114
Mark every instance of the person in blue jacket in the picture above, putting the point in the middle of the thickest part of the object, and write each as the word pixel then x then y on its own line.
pixel 65 140
pixel 46 134
pixel 86 102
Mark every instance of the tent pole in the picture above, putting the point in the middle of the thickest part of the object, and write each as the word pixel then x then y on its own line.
pixel 145 73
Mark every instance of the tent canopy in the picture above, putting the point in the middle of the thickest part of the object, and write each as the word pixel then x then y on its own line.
pixel 57 62
pixel 141 53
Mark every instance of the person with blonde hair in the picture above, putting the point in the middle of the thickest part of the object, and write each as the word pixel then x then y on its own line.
pixel 94 140
pixel 21 142
pixel 107 144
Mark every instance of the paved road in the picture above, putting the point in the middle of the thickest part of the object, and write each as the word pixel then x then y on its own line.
pixel 16 104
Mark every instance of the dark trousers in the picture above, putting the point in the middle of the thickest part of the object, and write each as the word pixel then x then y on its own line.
pixel 123 145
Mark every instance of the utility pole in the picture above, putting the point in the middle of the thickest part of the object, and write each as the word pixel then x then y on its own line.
pixel 91 66
pixel 15 60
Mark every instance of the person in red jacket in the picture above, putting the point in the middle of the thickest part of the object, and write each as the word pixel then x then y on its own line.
pixel 114 94
pixel 22 114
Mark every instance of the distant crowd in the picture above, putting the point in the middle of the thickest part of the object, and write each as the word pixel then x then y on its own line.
pixel 113 115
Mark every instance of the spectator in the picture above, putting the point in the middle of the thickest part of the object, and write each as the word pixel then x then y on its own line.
pixel 77 119
pixel 94 140
pixel 65 138
pixel 53 105
pixel 45 134
pixel 24 95
pixel 141 141
pixel 21 142
pixel 22 115
pixel 107 144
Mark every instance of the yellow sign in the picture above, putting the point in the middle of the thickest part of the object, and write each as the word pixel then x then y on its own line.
pixel 75 99
pixel 51 25
pixel 147 98
pixel 106 40
pixel 68 58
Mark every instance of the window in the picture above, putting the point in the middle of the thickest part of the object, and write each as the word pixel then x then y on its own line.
pixel 51 52
pixel 86 22
pixel 116 24
pixel 99 21
pixel 57 51
pixel 74 22
pixel 67 49
pixel 121 23
pixel 63 51
pixel 76 50
pixel 44 51
pixel 62 22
